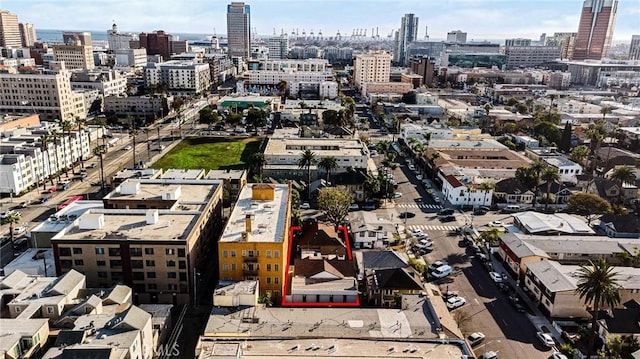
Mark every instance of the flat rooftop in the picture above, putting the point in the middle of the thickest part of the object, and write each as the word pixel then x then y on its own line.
pixel 337 147
pixel 130 224
pixel 186 192
pixel 268 217
pixel 74 210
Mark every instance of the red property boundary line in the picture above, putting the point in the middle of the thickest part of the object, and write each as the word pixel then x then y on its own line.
pixel 286 303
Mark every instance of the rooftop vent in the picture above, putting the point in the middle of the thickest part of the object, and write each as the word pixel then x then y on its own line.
pixel 130 188
pixel 152 216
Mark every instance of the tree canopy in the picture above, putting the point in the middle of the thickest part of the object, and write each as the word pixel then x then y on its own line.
pixel 334 202
pixel 588 205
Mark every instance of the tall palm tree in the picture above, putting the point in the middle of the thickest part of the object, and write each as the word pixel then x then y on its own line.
pixel 11 219
pixel 55 136
pixel 307 159
pixel 549 175
pixel 99 151
pixel 434 166
pixel 605 110
pixel 579 154
pixel 597 287
pixel 146 132
pixel 101 123
pixel 328 164
pixel 257 161
pixel 537 167
pixel 133 134
pixel 81 123
pixel 552 98
pixel 67 126
pixel 44 141
pixel 622 174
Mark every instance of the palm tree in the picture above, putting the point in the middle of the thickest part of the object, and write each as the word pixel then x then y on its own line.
pixel 328 164
pixel 282 87
pixel 55 135
pixel 622 174
pixel 257 161
pixel 146 132
pixel 44 141
pixel 307 159
pixel 67 126
pixel 549 175
pixel 383 147
pixel 101 123
pixel 552 97
pixel 486 187
pixel 434 166
pixel 579 154
pixel 99 151
pixel 537 167
pixel 597 287
pixel 81 122
pixel 605 110
pixel 133 134
pixel 11 219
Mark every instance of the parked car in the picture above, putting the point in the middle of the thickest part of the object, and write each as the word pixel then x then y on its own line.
pixel 411 167
pixel 25 204
pixel 93 165
pixel 495 224
pixel 442 271
pixel 369 206
pixel 496 277
pixel 558 355
pixel 517 304
pixel 354 207
pixel 424 243
pixel 475 338
pixel 43 199
pixel 6 214
pixel 546 339
pixel 397 195
pixel 435 265
pixel 446 212
pixel 305 205
pixel 419 177
pixel 127 148
pixel 436 199
pixel 447 219
pixel 417 233
pixel 19 230
pixel 455 302
pixel 479 212
pixel 489 355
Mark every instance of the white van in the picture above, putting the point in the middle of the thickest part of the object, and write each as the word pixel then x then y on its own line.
pixel 442 271
pixel 512 208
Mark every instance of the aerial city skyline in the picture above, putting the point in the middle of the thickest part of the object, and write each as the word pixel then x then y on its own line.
pixel 481 19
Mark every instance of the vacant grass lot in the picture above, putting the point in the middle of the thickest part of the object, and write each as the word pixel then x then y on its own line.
pixel 210 154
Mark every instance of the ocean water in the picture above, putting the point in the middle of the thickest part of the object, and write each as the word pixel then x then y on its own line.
pixel 55 36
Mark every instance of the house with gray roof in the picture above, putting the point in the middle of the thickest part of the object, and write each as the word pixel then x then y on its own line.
pixel 370 231
pixel 553 286
pixel 620 226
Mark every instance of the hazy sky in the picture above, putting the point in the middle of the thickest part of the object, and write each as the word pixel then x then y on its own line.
pixel 481 19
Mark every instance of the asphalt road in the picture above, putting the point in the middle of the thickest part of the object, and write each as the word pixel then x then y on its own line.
pixel 508 332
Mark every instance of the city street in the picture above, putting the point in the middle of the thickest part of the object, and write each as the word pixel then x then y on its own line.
pixel 508 332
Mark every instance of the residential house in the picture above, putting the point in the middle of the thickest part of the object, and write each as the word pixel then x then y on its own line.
pixel 320 240
pixel 354 180
pixel 553 286
pixel 462 195
pixel 620 322
pixel 620 226
pixel 23 338
pixel 324 281
pixel 512 191
pixel 610 190
pixel 385 287
pixel 370 231
pixel 559 192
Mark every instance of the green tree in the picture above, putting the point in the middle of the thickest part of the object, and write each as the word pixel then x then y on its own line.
pixel 11 219
pixel 549 130
pixel 257 162
pixel 384 147
pixel 549 175
pixel 596 133
pixel 55 136
pixel 207 116
pixel 588 205
pixel 491 235
pixel 334 202
pixel 306 160
pixel 67 126
pixel 565 141
pixel 81 122
pixel 349 108
pixel 579 154
pixel 331 118
pixel 530 177
pixel 512 102
pixel 257 117
pixel 622 174
pixel 598 287
pixel 99 151
pixel 328 165
pixel 486 188
pixel 510 128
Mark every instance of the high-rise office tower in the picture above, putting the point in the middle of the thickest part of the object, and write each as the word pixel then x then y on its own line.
pixel 9 30
pixel 595 30
pixel 156 43
pixel 278 47
pixel 408 33
pixel 27 34
pixel 239 29
pixel 634 49
pixel 457 36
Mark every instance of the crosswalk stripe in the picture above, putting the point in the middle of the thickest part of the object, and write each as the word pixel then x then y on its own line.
pixel 432 228
pixel 423 206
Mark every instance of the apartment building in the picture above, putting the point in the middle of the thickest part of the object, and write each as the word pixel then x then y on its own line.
pixel 278 47
pixel 181 77
pixel 371 67
pixel 135 105
pixel 529 56
pixel 107 82
pixel 27 34
pixel 28 161
pixel 74 56
pixel 9 30
pixel 282 155
pixel 234 180
pixel 152 235
pixel 255 242
pixel 300 75
pixel 48 94
pixel 131 57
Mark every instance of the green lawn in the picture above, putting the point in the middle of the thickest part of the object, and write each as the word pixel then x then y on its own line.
pixel 210 154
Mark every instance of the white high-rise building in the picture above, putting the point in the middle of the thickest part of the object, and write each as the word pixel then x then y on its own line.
pixel 408 33
pixel 180 76
pixel 371 67
pixel 278 47
pixel 118 40
pixel 634 49
pixel 239 29
pixel 9 30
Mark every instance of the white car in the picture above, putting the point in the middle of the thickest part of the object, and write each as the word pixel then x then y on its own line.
pixel 419 177
pixel 489 355
pixel 424 243
pixel 417 233
pixel 397 195
pixel 305 205
pixel 475 338
pixel 19 230
pixel 558 355
pixel 127 148
pixel 496 277
pixel 411 167
pixel 455 302
pixel 546 339
pixel 495 224
pixel 435 265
